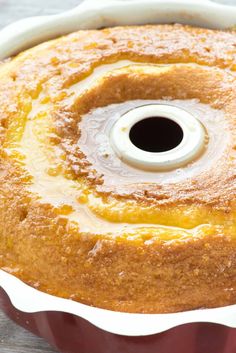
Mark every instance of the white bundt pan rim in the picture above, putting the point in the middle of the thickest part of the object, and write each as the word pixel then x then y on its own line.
pixel 95 14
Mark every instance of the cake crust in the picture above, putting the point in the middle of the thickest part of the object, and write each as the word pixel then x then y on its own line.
pixel 119 238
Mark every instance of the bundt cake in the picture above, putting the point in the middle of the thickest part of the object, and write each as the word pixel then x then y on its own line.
pixel 79 222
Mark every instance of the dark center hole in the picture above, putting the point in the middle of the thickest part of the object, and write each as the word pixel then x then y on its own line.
pixel 156 134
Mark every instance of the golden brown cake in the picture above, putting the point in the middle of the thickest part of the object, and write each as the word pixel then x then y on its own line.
pixel 75 220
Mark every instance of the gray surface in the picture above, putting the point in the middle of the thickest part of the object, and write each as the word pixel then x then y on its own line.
pixel 14 339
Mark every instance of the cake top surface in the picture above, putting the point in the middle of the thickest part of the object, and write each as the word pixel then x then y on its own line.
pixel 58 102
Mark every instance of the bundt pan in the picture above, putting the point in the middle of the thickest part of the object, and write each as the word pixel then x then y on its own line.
pixel 96 322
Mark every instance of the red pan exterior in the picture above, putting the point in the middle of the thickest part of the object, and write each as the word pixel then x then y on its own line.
pixel 70 334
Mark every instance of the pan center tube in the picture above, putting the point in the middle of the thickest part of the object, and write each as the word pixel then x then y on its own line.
pixel 157 137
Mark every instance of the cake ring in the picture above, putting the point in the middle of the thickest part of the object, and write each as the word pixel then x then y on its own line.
pixel 118 178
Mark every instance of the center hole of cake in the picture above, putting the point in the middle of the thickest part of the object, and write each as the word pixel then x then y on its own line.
pixel 156 134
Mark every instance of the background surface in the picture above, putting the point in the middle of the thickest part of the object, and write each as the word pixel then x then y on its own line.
pixel 14 339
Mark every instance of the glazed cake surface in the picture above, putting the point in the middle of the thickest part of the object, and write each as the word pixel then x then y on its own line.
pixel 78 222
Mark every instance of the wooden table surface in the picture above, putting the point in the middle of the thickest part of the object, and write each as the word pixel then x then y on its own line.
pixel 14 339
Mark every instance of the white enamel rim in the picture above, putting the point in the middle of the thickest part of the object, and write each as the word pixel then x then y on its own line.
pixel 30 300
pixel 96 14
pixel 103 13
pixel 189 148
